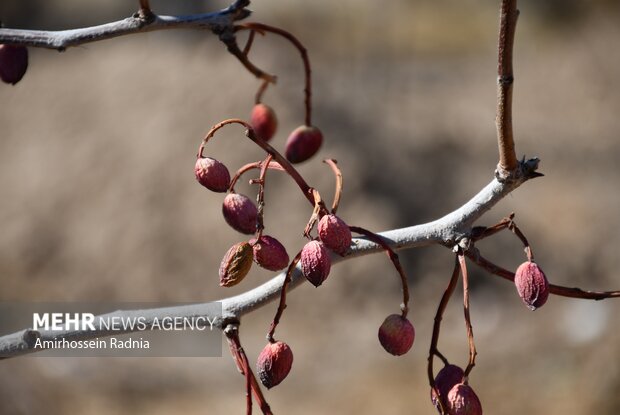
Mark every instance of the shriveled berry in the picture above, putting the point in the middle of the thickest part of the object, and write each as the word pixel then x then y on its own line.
pixel 264 122
pixel 212 174
pixel 462 400
pixel 236 264
pixel 303 143
pixel 13 63
pixel 315 262
pixel 269 253
pixel 532 285
pixel 240 213
pixel 445 380
pixel 335 234
pixel 396 334
pixel 274 363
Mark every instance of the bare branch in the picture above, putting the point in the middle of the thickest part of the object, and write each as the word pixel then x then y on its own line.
pixel 140 22
pixel 507 157
pixel 446 231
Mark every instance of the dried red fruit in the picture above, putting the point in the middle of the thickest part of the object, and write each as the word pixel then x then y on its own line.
pixel 240 213
pixel 303 143
pixel 212 174
pixel 532 285
pixel 13 63
pixel 236 264
pixel 335 234
pixel 269 253
pixel 274 363
pixel 462 400
pixel 445 380
pixel 264 122
pixel 396 334
pixel 315 262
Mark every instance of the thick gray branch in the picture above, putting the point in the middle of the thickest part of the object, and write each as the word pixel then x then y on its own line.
pixel 60 40
pixel 448 230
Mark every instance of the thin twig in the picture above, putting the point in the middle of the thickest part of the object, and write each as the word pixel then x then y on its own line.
pixel 304 56
pixel 560 290
pixel 433 351
pixel 394 258
pixel 470 331
pixel 508 162
pixel 338 192
pixel 282 304
pixel 261 196
pixel 250 166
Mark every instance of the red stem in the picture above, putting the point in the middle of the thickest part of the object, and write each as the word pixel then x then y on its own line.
pixel 304 56
pixel 394 258
pixel 282 304
pixel 338 174
pixel 470 330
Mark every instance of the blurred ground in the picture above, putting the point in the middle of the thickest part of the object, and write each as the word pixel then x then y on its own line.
pixel 98 200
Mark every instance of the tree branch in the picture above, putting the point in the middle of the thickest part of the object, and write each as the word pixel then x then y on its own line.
pixel 448 231
pixel 143 21
pixel 505 78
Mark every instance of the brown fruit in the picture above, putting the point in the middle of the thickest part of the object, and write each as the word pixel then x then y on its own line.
pixel 532 285
pixel 396 334
pixel 269 253
pixel 240 213
pixel 212 174
pixel 335 234
pixel 315 262
pixel 445 380
pixel 462 400
pixel 236 264
pixel 303 143
pixel 264 122
pixel 13 63
pixel 274 363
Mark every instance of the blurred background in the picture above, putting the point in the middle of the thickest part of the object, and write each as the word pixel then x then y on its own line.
pixel 98 200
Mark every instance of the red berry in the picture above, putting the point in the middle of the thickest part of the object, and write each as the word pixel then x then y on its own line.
pixel 315 262
pixel 212 174
pixel 445 380
pixel 269 253
pixel 462 400
pixel 240 213
pixel 532 285
pixel 13 63
pixel 264 122
pixel 236 264
pixel 335 234
pixel 303 143
pixel 274 363
pixel 396 334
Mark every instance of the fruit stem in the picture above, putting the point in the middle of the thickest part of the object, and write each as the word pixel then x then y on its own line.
pixel 261 196
pixel 241 359
pixel 338 192
pixel 283 162
pixel 433 351
pixel 304 56
pixel 250 166
pixel 394 258
pixel 470 330
pixel 282 304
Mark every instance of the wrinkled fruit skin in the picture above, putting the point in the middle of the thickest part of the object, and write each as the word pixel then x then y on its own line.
pixel 315 262
pixel 445 380
pixel 396 334
pixel 212 174
pixel 303 143
pixel 462 400
pixel 335 234
pixel 13 63
pixel 532 285
pixel 269 253
pixel 264 122
pixel 274 363
pixel 236 264
pixel 240 213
